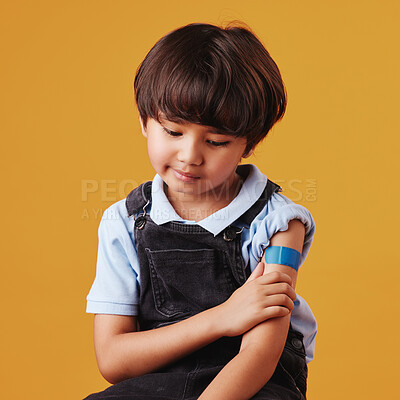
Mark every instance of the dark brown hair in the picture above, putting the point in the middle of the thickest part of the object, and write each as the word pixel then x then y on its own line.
pixel 219 77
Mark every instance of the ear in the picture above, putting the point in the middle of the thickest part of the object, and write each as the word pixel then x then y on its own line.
pixel 144 131
pixel 248 154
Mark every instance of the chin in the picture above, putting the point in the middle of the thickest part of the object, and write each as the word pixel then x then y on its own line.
pixel 182 187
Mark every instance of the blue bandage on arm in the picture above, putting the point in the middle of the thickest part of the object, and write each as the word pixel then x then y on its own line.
pixel 282 255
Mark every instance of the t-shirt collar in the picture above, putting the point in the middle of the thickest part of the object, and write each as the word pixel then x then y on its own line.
pixel 162 211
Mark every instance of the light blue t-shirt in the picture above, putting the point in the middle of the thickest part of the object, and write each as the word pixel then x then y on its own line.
pixel 115 289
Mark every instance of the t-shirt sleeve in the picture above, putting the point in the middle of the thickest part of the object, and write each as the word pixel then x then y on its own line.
pixel 276 217
pixel 115 289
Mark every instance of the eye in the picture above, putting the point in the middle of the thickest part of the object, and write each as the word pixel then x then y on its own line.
pixel 217 144
pixel 171 133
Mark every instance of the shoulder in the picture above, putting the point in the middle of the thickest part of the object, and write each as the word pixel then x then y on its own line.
pixel 116 215
pixel 279 210
pixel 116 210
pixel 124 210
pixel 276 216
pixel 116 225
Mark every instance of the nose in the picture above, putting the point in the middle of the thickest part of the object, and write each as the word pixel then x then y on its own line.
pixel 190 152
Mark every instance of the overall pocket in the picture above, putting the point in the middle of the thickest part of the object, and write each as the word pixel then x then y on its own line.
pixel 188 281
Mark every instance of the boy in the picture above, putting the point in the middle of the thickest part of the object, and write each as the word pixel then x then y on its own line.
pixel 177 313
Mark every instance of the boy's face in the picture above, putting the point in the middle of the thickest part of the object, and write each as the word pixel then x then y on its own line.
pixel 193 160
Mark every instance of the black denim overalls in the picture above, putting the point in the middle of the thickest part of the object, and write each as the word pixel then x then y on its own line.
pixel 185 270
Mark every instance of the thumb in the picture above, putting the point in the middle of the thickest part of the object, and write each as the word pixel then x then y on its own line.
pixel 258 271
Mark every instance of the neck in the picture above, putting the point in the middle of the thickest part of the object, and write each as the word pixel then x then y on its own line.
pixel 195 207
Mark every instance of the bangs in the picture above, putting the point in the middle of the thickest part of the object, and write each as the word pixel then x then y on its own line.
pixel 199 92
pixel 206 75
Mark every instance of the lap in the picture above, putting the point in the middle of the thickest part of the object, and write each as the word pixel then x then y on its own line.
pixel 188 386
pixel 157 386
pixel 188 378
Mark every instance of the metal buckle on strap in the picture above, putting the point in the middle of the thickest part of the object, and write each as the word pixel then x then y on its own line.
pixel 230 233
pixel 140 220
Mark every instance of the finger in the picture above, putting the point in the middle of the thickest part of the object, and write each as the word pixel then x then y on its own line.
pixel 280 300
pixel 276 311
pixel 275 277
pixel 279 288
pixel 257 272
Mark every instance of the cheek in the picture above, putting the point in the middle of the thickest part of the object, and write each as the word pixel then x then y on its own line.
pixel 230 158
pixel 158 153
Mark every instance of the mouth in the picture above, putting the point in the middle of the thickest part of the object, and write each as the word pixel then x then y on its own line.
pixel 185 176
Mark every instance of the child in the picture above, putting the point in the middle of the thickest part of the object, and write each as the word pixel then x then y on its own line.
pixel 185 306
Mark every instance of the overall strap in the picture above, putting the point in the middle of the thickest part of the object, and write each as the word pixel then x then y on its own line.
pixel 138 198
pixel 256 208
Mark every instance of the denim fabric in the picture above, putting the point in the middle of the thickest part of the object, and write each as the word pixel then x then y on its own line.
pixel 184 270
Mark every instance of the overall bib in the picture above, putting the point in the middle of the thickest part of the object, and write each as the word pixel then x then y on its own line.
pixel 185 270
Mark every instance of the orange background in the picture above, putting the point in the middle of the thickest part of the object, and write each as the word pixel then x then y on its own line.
pixel 71 146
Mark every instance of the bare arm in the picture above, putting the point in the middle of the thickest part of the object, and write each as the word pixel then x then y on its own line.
pixel 262 345
pixel 123 352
